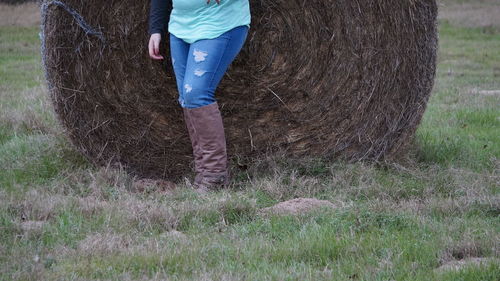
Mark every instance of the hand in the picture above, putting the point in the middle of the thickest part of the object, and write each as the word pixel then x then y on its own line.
pixel 154 46
pixel 218 2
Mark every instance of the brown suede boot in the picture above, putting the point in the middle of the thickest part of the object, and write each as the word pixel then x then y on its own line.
pixel 210 154
pixel 197 154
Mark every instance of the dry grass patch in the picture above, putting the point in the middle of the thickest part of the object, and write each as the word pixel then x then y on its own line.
pixel 298 206
pixel 460 252
pixel 90 206
pixel 103 244
pixel 463 250
pixel 488 93
pixel 27 14
pixel 457 265
pixel 29 113
pixel 479 14
pixel 39 206
pixel 32 227
pixel 150 185
pixel 146 214
pixel 109 177
pixel 444 206
pixel 98 184
pixel 109 243
pixel 285 185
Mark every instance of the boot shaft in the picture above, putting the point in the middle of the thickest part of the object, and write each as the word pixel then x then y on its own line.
pixel 206 131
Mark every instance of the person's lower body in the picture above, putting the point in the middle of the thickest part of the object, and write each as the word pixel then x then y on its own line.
pixel 199 67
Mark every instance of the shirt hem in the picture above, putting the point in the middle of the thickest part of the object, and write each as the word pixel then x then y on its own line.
pixel 192 40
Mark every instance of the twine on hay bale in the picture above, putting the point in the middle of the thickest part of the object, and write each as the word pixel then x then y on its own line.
pixel 322 77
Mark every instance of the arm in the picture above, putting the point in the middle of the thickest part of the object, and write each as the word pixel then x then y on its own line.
pixel 158 16
pixel 158 21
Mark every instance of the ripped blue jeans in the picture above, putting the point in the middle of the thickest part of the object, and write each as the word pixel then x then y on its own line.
pixel 200 66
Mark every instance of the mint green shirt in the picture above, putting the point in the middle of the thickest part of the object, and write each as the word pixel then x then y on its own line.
pixel 192 20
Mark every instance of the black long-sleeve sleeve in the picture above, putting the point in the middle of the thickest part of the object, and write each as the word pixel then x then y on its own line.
pixel 159 15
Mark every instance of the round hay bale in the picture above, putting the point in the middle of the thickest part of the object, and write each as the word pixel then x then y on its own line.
pixel 326 78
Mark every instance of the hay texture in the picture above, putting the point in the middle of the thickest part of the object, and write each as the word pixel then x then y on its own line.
pixel 326 78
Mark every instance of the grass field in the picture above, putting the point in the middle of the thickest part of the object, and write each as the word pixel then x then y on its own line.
pixel 432 216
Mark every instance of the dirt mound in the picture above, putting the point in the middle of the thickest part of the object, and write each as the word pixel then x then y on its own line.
pixel 298 206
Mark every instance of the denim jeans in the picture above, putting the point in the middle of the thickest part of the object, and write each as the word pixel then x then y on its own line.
pixel 200 66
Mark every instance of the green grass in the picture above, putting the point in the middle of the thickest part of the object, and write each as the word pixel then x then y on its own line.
pixel 19 58
pixel 460 127
pixel 394 221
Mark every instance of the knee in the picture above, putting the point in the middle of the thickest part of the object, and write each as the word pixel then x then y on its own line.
pixel 194 97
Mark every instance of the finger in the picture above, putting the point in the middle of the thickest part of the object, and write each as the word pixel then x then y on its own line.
pixel 157 57
pixel 151 49
pixel 152 52
pixel 157 50
pixel 156 47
